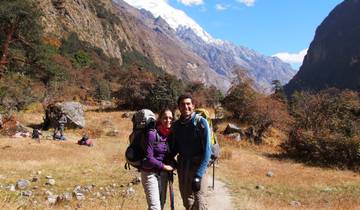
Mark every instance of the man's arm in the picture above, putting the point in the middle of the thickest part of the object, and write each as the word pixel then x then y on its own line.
pixel 207 147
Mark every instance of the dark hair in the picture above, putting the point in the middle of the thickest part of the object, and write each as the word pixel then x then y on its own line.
pixel 184 96
pixel 162 113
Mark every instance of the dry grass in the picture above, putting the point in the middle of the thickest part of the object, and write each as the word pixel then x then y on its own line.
pixel 314 188
pixel 70 165
pixel 244 167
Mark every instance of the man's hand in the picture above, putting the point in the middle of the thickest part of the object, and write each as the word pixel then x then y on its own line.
pixel 196 184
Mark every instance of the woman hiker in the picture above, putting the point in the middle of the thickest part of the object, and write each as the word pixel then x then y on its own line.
pixel 155 172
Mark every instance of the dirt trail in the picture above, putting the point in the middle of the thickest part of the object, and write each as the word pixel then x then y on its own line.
pixel 219 198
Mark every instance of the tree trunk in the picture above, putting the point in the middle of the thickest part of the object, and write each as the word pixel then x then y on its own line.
pixel 5 47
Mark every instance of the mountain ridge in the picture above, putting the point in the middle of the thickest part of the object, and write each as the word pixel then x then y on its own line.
pixel 333 57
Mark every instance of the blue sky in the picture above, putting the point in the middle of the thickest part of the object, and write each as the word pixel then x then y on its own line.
pixel 268 26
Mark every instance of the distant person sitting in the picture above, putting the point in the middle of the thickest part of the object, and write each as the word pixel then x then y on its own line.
pixel 60 128
pixel 85 141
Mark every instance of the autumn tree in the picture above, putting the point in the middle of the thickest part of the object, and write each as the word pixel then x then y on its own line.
pixel 20 26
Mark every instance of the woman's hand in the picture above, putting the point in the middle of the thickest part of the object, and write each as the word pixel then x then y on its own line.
pixel 168 168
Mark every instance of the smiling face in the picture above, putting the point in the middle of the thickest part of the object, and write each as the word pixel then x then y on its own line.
pixel 186 107
pixel 166 119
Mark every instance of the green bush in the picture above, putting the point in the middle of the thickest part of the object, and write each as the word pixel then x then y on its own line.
pixel 135 90
pixel 165 93
pixel 16 92
pixel 102 89
pixel 81 59
pixel 136 58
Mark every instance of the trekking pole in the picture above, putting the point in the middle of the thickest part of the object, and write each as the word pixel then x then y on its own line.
pixel 171 191
pixel 213 181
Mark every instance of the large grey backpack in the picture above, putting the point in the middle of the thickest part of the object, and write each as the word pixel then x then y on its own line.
pixel 143 121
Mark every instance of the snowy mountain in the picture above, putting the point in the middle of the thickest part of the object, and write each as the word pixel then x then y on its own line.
pixel 174 17
pixel 223 57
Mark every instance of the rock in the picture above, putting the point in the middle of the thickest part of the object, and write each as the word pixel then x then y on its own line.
pixel 88 188
pixel 259 187
pixel 113 133
pixel 78 189
pixel 130 191
pixel 34 179
pixel 235 136
pixel 27 193
pixel 73 111
pixel 52 199
pixel 136 180
pixel 50 182
pixel 125 115
pixel 295 203
pixel 105 105
pixel 232 128
pixel 67 196
pixel 22 184
pixel 79 196
pixel 48 177
pixel 269 174
pixel 48 193
pixel 12 188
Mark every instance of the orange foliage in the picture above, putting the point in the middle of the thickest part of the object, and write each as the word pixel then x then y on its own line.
pixel 55 42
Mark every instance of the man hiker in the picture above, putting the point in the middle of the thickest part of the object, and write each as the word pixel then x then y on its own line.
pixel 191 141
pixel 60 127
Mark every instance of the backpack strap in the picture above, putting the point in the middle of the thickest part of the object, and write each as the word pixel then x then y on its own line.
pixel 199 127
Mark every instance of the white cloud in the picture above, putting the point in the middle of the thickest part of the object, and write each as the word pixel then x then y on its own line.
pixel 248 3
pixel 292 58
pixel 191 2
pixel 220 7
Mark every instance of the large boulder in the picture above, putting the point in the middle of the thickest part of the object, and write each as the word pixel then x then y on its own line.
pixel 73 110
pixel 232 128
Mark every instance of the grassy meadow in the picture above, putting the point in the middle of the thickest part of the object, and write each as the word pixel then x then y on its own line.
pixel 242 168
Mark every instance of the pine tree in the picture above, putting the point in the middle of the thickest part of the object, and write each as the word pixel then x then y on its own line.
pixel 20 24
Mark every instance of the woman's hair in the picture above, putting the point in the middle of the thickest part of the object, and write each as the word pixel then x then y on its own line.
pixel 162 113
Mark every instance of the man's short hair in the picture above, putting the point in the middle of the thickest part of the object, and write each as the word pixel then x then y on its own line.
pixel 183 97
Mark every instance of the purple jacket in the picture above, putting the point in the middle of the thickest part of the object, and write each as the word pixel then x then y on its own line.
pixel 155 151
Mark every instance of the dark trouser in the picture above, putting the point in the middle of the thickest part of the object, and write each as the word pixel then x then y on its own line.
pixel 60 129
pixel 191 200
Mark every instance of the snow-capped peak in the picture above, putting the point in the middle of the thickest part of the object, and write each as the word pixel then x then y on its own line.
pixel 174 17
